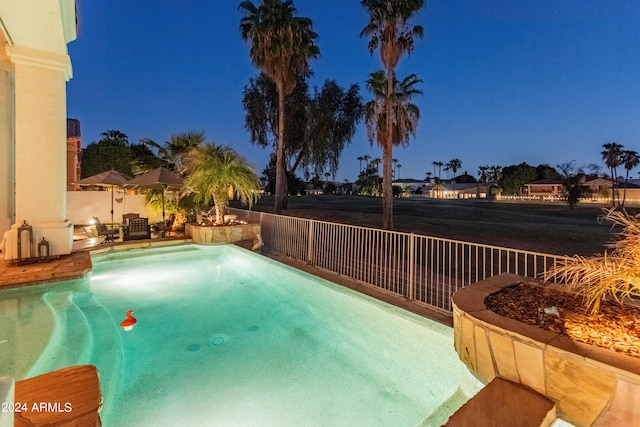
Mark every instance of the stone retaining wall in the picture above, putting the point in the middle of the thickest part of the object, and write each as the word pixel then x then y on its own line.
pixel 202 234
pixel 590 385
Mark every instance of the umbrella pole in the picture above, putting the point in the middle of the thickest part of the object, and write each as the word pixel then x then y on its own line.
pixel 112 227
pixel 163 223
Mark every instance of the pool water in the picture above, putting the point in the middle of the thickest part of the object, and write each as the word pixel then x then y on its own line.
pixel 228 337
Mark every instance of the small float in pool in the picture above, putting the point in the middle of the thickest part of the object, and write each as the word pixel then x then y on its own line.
pixel 127 324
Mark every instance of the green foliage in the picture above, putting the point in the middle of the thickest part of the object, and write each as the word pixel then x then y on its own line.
pixel 172 153
pixel 369 181
pixel 281 45
pixel 113 151
pixel 143 159
pixel 405 114
pixel 573 190
pixel 218 171
pixel 390 29
pixel 544 171
pixel 319 124
pixel 515 177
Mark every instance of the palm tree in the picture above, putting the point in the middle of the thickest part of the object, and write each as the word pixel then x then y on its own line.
pixel 482 173
pixel 630 159
pixel 439 164
pixel 495 172
pixel 376 163
pixel 115 136
pixel 360 159
pixel 612 156
pixel 428 174
pixel 173 152
pixel 434 163
pixel 398 166
pixel 388 28
pixel 404 125
pixel 218 171
pixel 455 165
pixel 281 45
pixel 447 170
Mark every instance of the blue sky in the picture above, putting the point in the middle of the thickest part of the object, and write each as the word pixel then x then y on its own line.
pixel 504 81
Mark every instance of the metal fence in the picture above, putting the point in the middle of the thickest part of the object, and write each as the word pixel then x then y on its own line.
pixel 422 268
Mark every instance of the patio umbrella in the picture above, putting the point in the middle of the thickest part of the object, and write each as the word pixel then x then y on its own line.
pixel 111 178
pixel 160 178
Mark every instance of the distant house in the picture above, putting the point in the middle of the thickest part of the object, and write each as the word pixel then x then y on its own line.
pixel 601 187
pixel 471 190
pixel 545 188
pixel 414 185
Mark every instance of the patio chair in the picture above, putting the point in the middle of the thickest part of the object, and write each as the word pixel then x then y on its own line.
pixel 105 231
pixel 126 217
pixel 138 228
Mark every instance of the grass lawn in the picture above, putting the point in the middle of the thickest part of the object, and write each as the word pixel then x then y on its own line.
pixel 541 227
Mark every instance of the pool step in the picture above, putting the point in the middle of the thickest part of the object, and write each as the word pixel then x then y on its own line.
pixel 504 403
pixel 439 415
pixel 70 340
pixel 106 336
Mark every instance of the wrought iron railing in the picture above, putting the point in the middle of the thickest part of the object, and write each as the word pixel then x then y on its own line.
pixel 422 268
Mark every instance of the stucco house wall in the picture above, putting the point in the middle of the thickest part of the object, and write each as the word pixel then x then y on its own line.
pixel 34 69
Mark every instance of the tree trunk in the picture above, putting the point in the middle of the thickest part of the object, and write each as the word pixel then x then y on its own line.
pixel 281 179
pixel 219 210
pixel 387 158
pixel 387 188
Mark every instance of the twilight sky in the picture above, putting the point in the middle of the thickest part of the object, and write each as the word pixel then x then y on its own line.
pixel 504 81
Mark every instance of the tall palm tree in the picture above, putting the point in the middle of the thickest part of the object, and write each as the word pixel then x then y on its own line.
pixel 454 165
pixel 398 166
pixel 434 163
pixel 173 152
pixel 439 164
pixel 404 124
pixel 612 156
pixel 360 159
pixel 281 45
pixel 389 29
pixel 630 159
pixel 447 170
pixel 218 171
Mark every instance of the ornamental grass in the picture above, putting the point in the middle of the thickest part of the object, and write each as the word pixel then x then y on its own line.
pixel 615 275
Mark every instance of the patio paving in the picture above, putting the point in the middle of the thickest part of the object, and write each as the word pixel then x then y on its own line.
pixel 72 266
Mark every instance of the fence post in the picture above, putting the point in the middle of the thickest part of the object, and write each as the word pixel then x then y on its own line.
pixel 412 268
pixel 310 243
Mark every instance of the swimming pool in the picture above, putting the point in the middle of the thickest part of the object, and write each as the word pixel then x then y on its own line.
pixel 228 337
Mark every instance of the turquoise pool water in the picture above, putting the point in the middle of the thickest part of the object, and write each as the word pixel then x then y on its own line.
pixel 227 337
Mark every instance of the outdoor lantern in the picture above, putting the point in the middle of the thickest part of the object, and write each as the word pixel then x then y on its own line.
pixel 25 227
pixel 44 244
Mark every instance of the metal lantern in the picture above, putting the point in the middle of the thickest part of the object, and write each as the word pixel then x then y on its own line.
pixel 25 227
pixel 44 244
